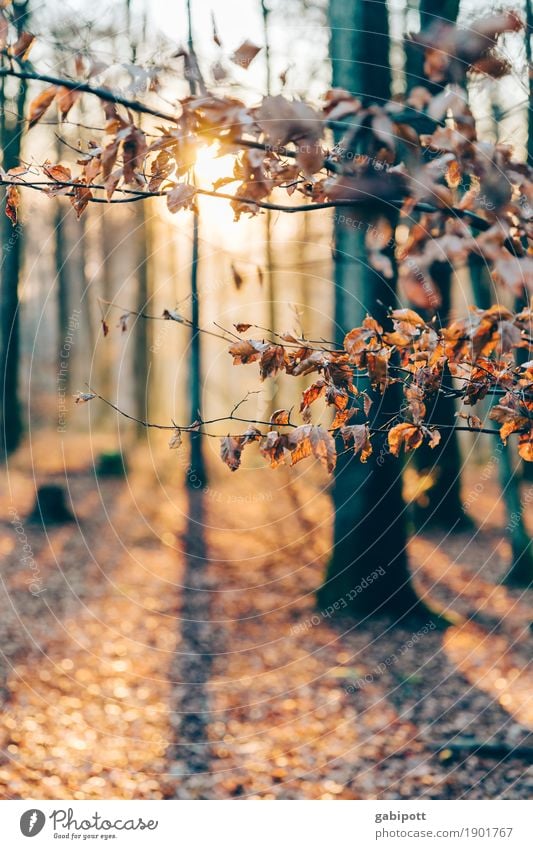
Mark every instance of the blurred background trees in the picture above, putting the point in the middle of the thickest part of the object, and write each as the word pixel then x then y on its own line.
pixel 210 268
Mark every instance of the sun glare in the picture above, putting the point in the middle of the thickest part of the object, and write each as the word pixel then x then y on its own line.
pixel 210 166
pixel 217 215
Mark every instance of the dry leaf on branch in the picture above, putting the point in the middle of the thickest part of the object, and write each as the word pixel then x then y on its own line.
pixel 12 203
pixel 245 54
pixel 40 104
pixel 83 397
pixel 180 197
pixel 409 436
pixel 230 452
pixel 175 440
pixel 358 438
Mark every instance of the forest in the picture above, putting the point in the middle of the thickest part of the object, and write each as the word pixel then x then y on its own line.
pixel 266 332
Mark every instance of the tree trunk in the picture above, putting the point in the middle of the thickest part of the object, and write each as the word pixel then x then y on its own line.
pixel 526 467
pixel 63 287
pixel 529 35
pixel 12 254
pixel 196 474
pixel 443 508
pixel 105 371
pixel 370 533
pixel 142 330
pixel 520 573
pixel 431 11
pixel 196 477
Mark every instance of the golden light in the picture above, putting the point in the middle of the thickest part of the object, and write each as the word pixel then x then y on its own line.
pixel 210 166
pixel 217 215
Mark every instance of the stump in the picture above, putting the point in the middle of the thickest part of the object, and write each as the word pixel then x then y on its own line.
pixel 50 506
pixel 111 464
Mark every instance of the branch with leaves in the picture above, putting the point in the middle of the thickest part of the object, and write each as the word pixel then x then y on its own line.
pixel 420 156
pixel 477 351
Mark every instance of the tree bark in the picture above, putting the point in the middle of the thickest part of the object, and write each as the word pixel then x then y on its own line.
pixel 520 573
pixel 370 533
pixel 528 36
pixel 431 11
pixel 142 328
pixel 63 287
pixel 443 508
pixel 12 253
pixel 196 475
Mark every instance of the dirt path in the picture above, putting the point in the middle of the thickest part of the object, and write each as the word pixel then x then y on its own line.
pixel 87 684
pixel 144 672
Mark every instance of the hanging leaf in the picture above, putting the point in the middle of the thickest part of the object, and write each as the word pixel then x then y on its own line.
pixel 435 437
pixel 273 446
pixel 175 440
pixel 134 149
pixel 4 30
pixel 230 452
pixel 80 199
pixel 409 436
pixel 123 322
pixel 313 392
pixel 237 278
pixel 216 37
pixel 66 98
pixel 40 104
pixel 245 54
pixel 272 361
pixel 22 46
pixel 280 417
pixel 180 197
pixel 83 397
pixel 358 438
pixel 312 440
pixel 252 434
pixel 109 156
pixel 12 203
pixel 59 173
pixel 172 315
pixel 337 398
pixel 247 351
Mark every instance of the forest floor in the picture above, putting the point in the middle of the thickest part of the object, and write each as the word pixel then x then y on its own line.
pixel 139 660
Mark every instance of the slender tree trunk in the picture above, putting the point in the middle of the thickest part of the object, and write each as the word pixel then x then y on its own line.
pixel 12 253
pixel 443 507
pixel 142 329
pixel 63 285
pixel 526 467
pixel 197 473
pixel 105 361
pixel 529 35
pixel 369 526
pixel 270 275
pixel 84 288
pixel 431 11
